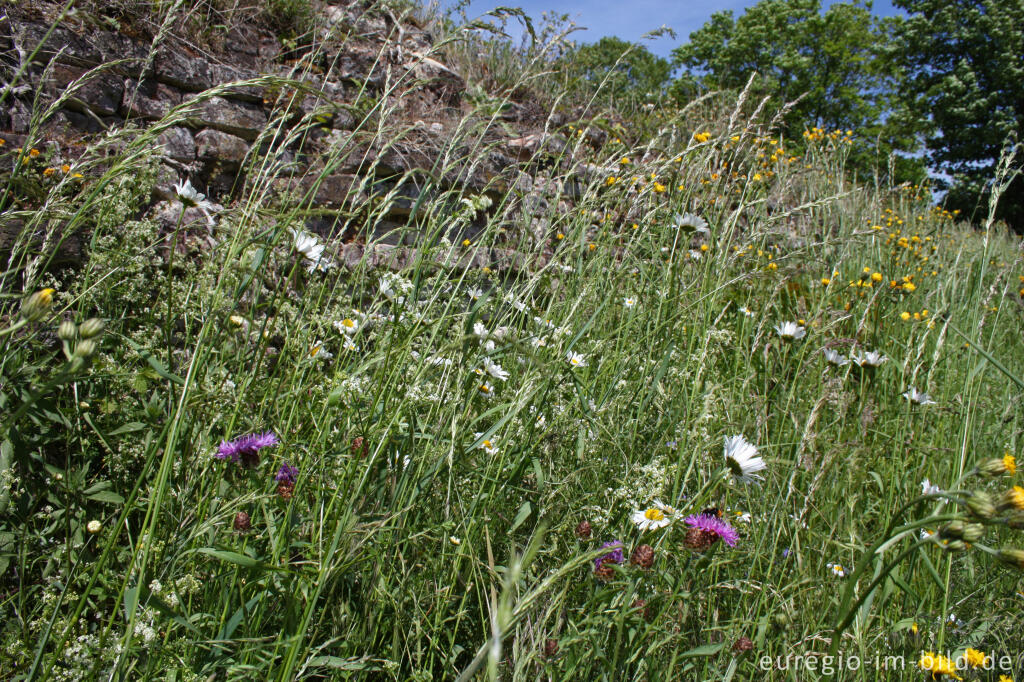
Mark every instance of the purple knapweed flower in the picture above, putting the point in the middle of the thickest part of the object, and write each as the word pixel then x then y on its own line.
pixel 246 449
pixel 287 474
pixel 615 556
pixel 715 525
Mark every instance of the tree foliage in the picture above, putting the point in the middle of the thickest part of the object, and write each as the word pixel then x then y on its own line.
pixel 834 65
pixel 964 65
pixel 622 69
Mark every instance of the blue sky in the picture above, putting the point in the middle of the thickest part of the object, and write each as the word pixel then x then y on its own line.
pixel 629 20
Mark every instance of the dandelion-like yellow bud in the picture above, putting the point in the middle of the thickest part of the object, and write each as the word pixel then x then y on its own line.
pixel 994 467
pixel 954 530
pixel 67 330
pixel 1013 557
pixel 37 305
pixel 91 328
pixel 1013 498
pixel 85 348
pixel 980 504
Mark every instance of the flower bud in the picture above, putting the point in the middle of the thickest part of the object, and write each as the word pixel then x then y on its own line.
pixel 1013 498
pixel 85 348
pixel 998 466
pixel 981 505
pixel 91 328
pixel 973 532
pixel 954 530
pixel 67 330
pixel 1016 521
pixel 1013 557
pixel 37 305
pixel 955 546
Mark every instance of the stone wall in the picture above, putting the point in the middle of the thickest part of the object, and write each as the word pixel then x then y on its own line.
pixel 311 113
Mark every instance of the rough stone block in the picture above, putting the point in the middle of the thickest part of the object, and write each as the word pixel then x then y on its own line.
pixel 237 118
pixel 214 145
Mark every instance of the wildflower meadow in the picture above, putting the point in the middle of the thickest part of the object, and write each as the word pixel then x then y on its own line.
pixel 715 409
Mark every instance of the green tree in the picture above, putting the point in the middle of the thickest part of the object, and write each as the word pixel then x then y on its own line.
pixel 836 63
pixel 964 70
pixel 626 70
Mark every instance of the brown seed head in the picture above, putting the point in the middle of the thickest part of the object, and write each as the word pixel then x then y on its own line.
pixel 742 645
pixel 604 572
pixel 583 530
pixel 699 540
pixel 646 612
pixel 242 522
pixel 643 556
pixel 550 648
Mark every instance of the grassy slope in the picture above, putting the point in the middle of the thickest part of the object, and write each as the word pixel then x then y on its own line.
pixel 426 554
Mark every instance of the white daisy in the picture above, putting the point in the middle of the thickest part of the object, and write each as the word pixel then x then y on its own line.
pixel 629 302
pixel 540 342
pixel 929 488
pixel 494 369
pixel 485 389
pixel 790 331
pixel 347 326
pixel 488 445
pixel 654 517
pixel 835 358
pixel 917 397
pixel 312 250
pixel 742 459
pixel 480 330
pixel 747 311
pixel 838 570
pixel 742 517
pixel 350 345
pixel 318 352
pixel 870 359
pixel 575 359
pixel 691 223
pixel 476 293
pixel 189 196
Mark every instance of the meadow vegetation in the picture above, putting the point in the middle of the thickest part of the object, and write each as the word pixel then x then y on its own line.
pixel 730 403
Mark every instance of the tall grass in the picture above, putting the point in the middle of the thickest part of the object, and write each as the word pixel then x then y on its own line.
pixel 432 529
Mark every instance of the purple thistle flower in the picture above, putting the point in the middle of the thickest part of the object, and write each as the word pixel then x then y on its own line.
pixel 615 556
pixel 287 474
pixel 713 524
pixel 246 448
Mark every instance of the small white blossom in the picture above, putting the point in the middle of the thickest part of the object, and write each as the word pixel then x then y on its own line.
pixel 835 358
pixel 790 331
pixel 917 397
pixel 575 359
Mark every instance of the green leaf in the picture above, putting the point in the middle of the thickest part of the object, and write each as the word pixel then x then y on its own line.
pixel 230 557
pixel 524 513
pixel 107 497
pixel 703 650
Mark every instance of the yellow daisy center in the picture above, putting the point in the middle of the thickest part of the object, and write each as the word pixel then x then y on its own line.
pixel 1010 462
pixel 654 514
